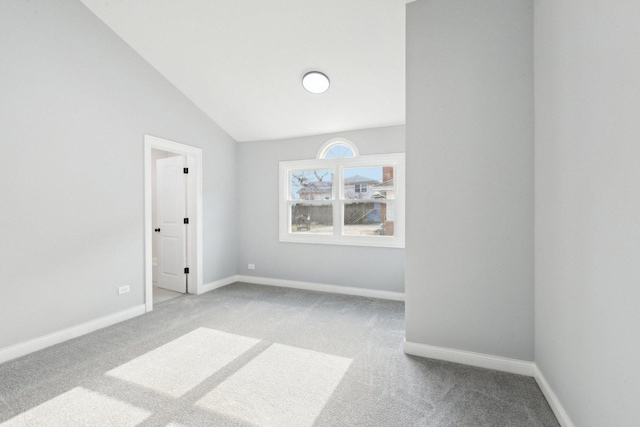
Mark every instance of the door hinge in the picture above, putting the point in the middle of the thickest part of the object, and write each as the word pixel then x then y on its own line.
pixel 185 170
pixel 186 270
pixel 186 220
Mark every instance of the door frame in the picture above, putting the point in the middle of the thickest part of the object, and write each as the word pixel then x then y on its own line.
pixel 194 192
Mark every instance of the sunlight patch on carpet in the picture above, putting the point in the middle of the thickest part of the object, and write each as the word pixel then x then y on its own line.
pixel 282 386
pixel 178 366
pixel 80 407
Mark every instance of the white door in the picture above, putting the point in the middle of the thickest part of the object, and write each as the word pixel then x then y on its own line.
pixel 171 230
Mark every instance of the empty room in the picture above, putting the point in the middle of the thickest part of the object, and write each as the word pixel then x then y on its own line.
pixel 329 213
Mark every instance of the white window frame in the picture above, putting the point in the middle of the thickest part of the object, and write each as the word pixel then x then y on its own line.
pixel 397 160
pixel 327 146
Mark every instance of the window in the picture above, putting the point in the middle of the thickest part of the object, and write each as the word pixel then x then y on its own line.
pixel 337 148
pixel 339 151
pixel 348 200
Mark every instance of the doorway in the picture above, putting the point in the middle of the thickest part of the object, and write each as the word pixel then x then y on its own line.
pixel 170 208
pixel 173 230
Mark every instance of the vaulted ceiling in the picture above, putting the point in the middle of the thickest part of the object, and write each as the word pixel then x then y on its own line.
pixel 242 61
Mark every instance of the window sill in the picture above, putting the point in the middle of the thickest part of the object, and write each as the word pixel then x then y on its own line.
pixel 366 241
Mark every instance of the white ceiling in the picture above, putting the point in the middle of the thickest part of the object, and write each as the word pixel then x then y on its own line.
pixel 242 61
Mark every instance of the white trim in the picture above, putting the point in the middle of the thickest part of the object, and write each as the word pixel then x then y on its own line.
pixel 498 363
pixel 554 402
pixel 321 287
pixel 218 284
pixel 196 263
pixel 40 343
pixel 322 152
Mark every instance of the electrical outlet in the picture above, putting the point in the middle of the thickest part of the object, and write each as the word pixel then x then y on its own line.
pixel 252 266
pixel 124 289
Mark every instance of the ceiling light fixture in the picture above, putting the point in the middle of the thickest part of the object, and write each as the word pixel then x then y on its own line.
pixel 315 82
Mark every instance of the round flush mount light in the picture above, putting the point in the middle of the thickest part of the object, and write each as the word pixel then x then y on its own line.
pixel 315 82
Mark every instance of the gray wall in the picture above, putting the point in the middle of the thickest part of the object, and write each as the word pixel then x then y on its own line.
pixel 469 266
pixel 75 104
pixel 258 168
pixel 588 207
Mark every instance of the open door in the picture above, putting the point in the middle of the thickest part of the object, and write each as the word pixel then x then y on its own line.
pixel 171 229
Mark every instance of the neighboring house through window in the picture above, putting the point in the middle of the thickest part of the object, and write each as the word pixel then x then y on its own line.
pixel 360 188
pixel 343 198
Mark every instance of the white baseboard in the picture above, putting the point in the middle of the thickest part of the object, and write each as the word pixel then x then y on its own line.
pixel 514 366
pixel 40 343
pixel 320 287
pixel 218 284
pixel 554 402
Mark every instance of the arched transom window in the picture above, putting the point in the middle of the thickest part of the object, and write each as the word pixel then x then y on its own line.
pixel 337 148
